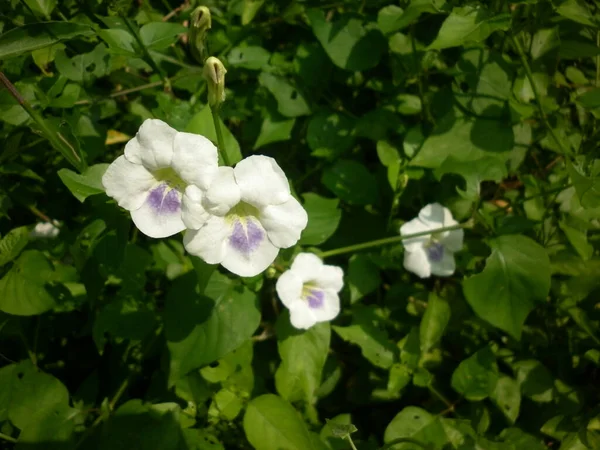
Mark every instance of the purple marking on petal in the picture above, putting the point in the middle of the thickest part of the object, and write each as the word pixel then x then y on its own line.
pixel 315 298
pixel 164 204
pixel 435 252
pixel 246 239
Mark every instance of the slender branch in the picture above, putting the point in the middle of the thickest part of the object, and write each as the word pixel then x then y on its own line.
pixel 220 140
pixel 389 240
pixel 536 94
pixel 349 439
pixel 8 438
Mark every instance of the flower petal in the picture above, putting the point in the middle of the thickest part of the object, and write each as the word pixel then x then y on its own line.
pixel 330 278
pixel 209 242
pixel 433 215
pixel 194 159
pixel 127 183
pixel 301 316
pixel 417 263
pixel 133 153
pixel 453 240
pixel 223 193
pixel 306 266
pixel 156 144
pixel 261 181
pixel 284 222
pixel 160 215
pixel 249 249
pixel 412 227
pixel 445 266
pixel 289 288
pixel 193 213
pixel 330 307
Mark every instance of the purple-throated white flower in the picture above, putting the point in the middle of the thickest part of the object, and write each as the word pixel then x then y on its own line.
pixel 244 217
pixel 310 290
pixel 432 253
pixel 149 180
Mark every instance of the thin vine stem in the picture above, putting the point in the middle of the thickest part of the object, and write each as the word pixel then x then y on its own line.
pixel 8 438
pixel 220 140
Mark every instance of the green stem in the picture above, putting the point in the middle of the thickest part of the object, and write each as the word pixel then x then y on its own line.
pixel 8 438
pixel 351 443
pixel 57 140
pixel 220 140
pixel 389 240
pixel 536 94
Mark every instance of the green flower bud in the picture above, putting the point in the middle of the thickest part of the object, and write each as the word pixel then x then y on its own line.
pixel 214 72
pixel 200 23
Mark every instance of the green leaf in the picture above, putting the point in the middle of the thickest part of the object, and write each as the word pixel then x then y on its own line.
pixel 323 218
pixel 160 35
pixel 587 188
pixel 577 11
pixel 271 423
pixel 392 18
pixel 251 57
pixel 434 322
pixel 330 134
pixel 535 380
pixel 251 8
pixel 43 7
pixel 507 397
pixel 515 277
pixel 413 423
pixel 83 67
pixel 476 376
pixel 469 24
pixel 202 123
pixel 274 128
pixel 201 329
pixel 120 42
pixel 363 277
pixel 22 290
pixel 388 18
pixel 39 35
pixel 351 182
pixel 290 101
pixel 12 244
pixel 349 43
pixel 303 355
pixel 590 99
pixel 486 168
pixel 86 184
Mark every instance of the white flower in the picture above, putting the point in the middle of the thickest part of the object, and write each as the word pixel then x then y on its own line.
pixel 149 180
pixel 44 230
pixel 310 290
pixel 434 253
pixel 244 217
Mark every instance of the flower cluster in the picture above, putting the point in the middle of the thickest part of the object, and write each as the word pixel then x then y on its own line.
pixel 238 217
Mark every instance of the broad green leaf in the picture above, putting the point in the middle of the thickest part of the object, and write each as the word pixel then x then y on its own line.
pixel 290 101
pixel 120 42
pixel 519 439
pixel 202 328
pixel 578 11
pixel 363 277
pixel 22 290
pixel 83 67
pixel 391 18
pixel 330 134
pixel 202 123
pixel 535 380
pixel 400 376
pixel 590 99
pixel 544 41
pixel 408 104
pixel 251 57
pixel 516 276
pixel 201 440
pixel 303 355
pixel 486 168
pixel 43 7
pixel 507 397
pixel 349 43
pixel 160 35
pixel 251 8
pixel 578 239
pixel 587 188
pixel 271 423
pixel 476 377
pixel 351 182
pixel 86 184
pixel 415 423
pixel 323 218
pixel 12 244
pixel 469 24
pixel 434 322
pixel 388 18
pixel 274 128
pixel 39 35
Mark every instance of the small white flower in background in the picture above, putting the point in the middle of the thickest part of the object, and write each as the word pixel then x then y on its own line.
pixel 310 290
pixel 149 180
pixel 434 253
pixel 44 230
pixel 244 217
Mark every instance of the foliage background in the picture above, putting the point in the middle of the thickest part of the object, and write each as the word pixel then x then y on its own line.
pixel 112 340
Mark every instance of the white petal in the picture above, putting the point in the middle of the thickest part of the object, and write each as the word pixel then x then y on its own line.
pixel 249 250
pixel 417 263
pixel 330 308
pixel 284 222
pixel 306 266
pixel 289 288
pixel 133 151
pixel 453 240
pixel 261 181
pixel 194 159
pixel 445 267
pixel 413 227
pixel 433 215
pixel 127 183
pixel 301 316
pixel 156 144
pixel 223 193
pixel 209 242
pixel 193 213
pixel 330 278
pixel 160 215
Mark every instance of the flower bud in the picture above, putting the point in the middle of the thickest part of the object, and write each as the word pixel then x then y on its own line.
pixel 200 23
pixel 214 72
